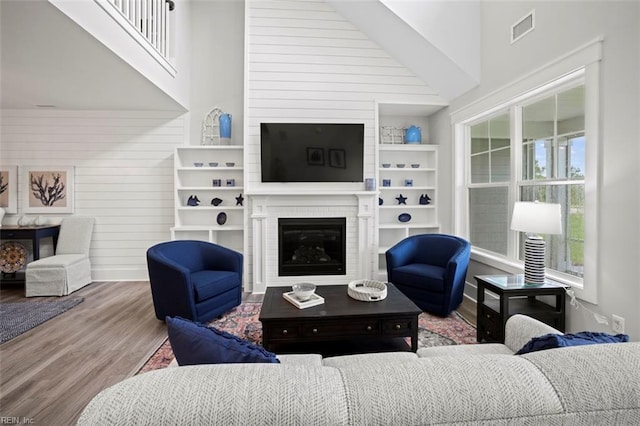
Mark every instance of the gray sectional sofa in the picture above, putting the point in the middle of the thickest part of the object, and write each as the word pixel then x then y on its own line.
pixel 469 384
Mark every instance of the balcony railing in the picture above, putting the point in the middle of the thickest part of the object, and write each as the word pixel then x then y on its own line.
pixel 149 21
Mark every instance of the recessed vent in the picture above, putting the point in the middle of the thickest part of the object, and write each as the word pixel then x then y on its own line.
pixel 523 27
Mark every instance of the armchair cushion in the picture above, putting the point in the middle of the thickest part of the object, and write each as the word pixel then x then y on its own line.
pixel 195 344
pixel 420 275
pixel 207 284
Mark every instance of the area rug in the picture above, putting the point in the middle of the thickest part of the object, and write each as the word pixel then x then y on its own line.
pixel 243 322
pixel 18 317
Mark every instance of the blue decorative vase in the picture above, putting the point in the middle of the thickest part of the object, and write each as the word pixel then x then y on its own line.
pixel 225 126
pixel 413 135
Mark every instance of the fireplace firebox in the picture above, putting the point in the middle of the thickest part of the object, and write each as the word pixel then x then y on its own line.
pixel 311 246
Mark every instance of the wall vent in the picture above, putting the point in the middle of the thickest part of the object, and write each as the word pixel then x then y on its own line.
pixel 524 26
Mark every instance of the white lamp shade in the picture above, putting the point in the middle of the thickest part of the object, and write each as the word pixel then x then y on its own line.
pixel 536 218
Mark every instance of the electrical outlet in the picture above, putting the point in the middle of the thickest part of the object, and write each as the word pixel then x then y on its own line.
pixel 617 324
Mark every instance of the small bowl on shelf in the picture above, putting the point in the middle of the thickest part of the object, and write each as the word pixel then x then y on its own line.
pixel 213 164
pixel 415 166
pixel 400 165
pixel 198 164
pixel 386 165
pixel 303 291
pixel 230 164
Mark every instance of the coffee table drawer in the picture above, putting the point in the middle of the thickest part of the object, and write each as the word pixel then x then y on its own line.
pixel 340 328
pixel 397 326
pixel 282 331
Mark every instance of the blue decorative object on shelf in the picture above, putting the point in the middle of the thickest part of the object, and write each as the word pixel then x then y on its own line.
pixel 193 200
pixel 225 126
pixel 216 201
pixel 404 217
pixel 413 135
pixel 222 218
pixel 401 199
pixel 239 200
pixel 424 199
pixel 380 201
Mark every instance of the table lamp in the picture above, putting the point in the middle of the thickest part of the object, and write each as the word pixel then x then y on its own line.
pixel 534 218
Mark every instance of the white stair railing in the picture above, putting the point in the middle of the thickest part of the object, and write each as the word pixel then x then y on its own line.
pixel 151 18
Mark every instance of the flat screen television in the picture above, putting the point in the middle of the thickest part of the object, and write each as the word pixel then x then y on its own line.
pixel 312 152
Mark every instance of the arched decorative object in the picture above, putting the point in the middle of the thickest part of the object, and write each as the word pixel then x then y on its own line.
pixel 211 127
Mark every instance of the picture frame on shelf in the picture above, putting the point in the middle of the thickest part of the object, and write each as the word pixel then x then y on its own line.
pixel 48 189
pixel 9 189
pixel 337 158
pixel 315 156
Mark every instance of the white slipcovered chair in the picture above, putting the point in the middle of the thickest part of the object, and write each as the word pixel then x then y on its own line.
pixel 69 269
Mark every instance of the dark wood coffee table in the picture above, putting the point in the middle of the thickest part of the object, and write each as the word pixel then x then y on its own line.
pixel 341 321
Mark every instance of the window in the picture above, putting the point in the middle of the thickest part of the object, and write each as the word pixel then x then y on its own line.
pixel 553 121
pixel 533 150
pixel 490 173
pixel 553 171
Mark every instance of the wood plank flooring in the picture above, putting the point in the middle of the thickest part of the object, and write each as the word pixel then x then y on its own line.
pixel 51 372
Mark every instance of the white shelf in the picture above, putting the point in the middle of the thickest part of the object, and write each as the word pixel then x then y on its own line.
pixel 200 222
pixel 424 217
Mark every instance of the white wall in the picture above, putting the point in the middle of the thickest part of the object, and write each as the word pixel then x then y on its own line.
pixel 562 27
pixel 91 17
pixel 123 175
pixel 217 68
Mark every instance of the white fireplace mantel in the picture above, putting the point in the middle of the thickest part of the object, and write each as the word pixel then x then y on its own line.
pixel 356 206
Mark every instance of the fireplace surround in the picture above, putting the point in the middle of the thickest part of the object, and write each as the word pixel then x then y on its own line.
pixel 267 208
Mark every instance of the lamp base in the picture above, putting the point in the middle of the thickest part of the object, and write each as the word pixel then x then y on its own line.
pixel 534 253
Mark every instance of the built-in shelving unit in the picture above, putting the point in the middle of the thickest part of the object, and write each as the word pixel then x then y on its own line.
pixel 406 172
pixel 224 181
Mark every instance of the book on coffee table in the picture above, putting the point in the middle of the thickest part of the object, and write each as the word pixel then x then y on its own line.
pixel 313 301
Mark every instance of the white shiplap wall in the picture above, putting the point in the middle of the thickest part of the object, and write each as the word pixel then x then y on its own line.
pixel 307 63
pixel 123 175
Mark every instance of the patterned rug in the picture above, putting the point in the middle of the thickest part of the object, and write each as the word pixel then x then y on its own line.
pixel 18 317
pixel 243 322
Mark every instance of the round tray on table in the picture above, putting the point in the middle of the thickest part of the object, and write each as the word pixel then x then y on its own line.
pixel 367 290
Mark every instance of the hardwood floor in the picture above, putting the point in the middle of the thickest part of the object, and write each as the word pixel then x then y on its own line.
pixel 51 372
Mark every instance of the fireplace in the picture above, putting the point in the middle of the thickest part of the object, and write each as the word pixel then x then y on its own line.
pixel 311 246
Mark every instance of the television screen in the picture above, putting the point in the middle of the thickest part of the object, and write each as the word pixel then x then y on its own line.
pixel 311 152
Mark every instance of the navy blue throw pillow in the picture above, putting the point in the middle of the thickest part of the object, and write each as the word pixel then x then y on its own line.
pixel 195 344
pixel 551 341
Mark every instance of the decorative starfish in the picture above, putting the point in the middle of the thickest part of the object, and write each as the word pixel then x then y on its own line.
pixel 239 200
pixel 401 199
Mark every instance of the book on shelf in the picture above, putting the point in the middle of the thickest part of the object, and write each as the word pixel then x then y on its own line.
pixel 313 301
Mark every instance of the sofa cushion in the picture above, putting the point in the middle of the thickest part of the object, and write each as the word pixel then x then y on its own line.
pixel 370 360
pixel 195 343
pixel 208 284
pixel 427 277
pixel 465 350
pixel 552 340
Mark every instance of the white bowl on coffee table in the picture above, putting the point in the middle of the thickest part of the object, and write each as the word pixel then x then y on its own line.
pixel 303 291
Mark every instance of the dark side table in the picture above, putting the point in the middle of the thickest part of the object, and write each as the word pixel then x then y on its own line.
pixel 513 296
pixel 33 233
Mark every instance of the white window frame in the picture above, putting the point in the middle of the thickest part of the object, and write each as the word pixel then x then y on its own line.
pixel 582 63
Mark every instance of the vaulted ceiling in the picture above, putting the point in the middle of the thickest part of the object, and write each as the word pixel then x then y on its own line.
pixel 48 60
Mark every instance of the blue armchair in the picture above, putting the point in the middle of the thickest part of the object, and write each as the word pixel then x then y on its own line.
pixel 194 279
pixel 430 269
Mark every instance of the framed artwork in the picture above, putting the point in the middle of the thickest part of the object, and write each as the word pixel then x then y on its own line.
pixel 48 189
pixel 9 189
pixel 315 156
pixel 337 158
